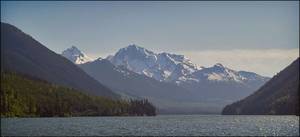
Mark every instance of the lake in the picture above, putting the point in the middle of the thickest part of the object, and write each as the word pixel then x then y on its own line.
pixel 163 125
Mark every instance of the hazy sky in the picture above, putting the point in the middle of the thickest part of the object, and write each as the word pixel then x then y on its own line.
pixel 244 35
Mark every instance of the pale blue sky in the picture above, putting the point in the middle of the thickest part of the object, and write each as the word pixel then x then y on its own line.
pixel 190 28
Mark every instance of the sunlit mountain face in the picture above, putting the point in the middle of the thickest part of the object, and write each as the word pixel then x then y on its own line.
pixel 176 68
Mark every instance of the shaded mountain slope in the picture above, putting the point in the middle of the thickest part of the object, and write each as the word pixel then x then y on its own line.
pixel 21 53
pixel 167 97
pixel 132 83
pixel 278 96
pixel 27 96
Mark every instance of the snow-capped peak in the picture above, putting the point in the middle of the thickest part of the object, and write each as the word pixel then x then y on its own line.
pixel 174 68
pixel 75 55
pixel 160 66
pixel 136 50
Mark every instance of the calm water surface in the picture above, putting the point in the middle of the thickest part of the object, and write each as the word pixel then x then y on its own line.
pixel 181 125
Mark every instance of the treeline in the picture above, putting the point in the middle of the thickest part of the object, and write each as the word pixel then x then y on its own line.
pixel 141 107
pixel 25 96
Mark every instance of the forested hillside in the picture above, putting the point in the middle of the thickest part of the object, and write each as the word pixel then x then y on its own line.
pixel 27 96
pixel 23 54
pixel 279 96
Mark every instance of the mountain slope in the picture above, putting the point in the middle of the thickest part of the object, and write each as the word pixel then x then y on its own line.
pixel 27 96
pixel 128 81
pixel 221 83
pixel 21 53
pixel 279 96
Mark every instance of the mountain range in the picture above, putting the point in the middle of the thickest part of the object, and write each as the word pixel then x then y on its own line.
pixel 175 68
pixel 170 80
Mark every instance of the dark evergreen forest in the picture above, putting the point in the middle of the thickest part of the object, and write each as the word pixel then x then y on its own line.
pixel 27 96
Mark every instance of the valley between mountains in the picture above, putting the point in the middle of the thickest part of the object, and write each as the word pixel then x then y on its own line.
pixel 170 81
pixel 36 81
